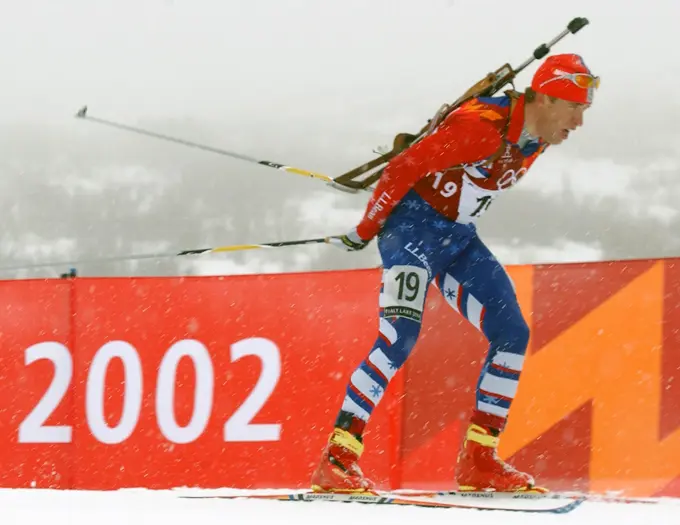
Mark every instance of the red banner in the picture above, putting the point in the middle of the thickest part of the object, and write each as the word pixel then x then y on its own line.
pixel 236 381
pixel 36 371
pixel 199 382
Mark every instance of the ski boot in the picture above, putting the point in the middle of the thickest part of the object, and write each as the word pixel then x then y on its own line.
pixel 339 470
pixel 479 467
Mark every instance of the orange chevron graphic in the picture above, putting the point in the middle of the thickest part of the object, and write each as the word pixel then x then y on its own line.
pixel 612 358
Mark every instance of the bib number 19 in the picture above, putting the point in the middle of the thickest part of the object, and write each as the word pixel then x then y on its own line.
pixel 448 189
pixel 403 292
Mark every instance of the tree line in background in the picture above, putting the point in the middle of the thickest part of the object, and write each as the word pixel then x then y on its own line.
pixel 88 193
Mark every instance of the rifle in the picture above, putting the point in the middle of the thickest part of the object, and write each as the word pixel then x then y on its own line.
pixel 350 181
pixel 486 87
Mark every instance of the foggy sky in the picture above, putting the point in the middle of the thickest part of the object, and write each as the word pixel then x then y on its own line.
pixel 316 85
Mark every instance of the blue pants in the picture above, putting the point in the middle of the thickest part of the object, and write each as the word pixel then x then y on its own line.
pixel 418 246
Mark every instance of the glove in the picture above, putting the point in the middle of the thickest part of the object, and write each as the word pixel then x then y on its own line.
pixel 350 242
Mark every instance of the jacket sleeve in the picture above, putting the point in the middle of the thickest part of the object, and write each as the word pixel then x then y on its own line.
pixel 460 139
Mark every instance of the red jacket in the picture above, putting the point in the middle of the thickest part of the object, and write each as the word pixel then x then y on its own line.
pixel 453 169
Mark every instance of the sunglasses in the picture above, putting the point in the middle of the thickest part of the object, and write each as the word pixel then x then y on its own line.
pixel 582 80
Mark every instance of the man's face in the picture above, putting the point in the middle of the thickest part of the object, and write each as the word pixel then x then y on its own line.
pixel 558 118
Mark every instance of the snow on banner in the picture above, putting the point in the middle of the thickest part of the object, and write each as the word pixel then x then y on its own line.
pixel 191 382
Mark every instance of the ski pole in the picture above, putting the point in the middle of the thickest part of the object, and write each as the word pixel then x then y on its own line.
pixel 161 255
pixel 82 114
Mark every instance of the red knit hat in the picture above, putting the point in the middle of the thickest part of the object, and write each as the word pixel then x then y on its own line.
pixel 566 77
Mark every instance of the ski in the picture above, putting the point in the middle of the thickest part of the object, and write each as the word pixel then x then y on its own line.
pixel 532 495
pixel 508 502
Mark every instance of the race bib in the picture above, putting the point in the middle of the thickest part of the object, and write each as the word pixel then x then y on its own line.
pixel 403 294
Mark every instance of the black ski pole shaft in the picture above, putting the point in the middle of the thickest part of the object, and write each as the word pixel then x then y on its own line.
pixel 161 255
pixel 82 114
pixel 573 27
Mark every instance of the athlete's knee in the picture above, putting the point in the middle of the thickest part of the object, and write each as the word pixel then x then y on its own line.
pixel 398 336
pixel 402 301
pixel 507 330
pixel 518 333
pixel 404 288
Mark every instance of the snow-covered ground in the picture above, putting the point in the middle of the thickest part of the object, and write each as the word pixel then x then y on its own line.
pixel 143 507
